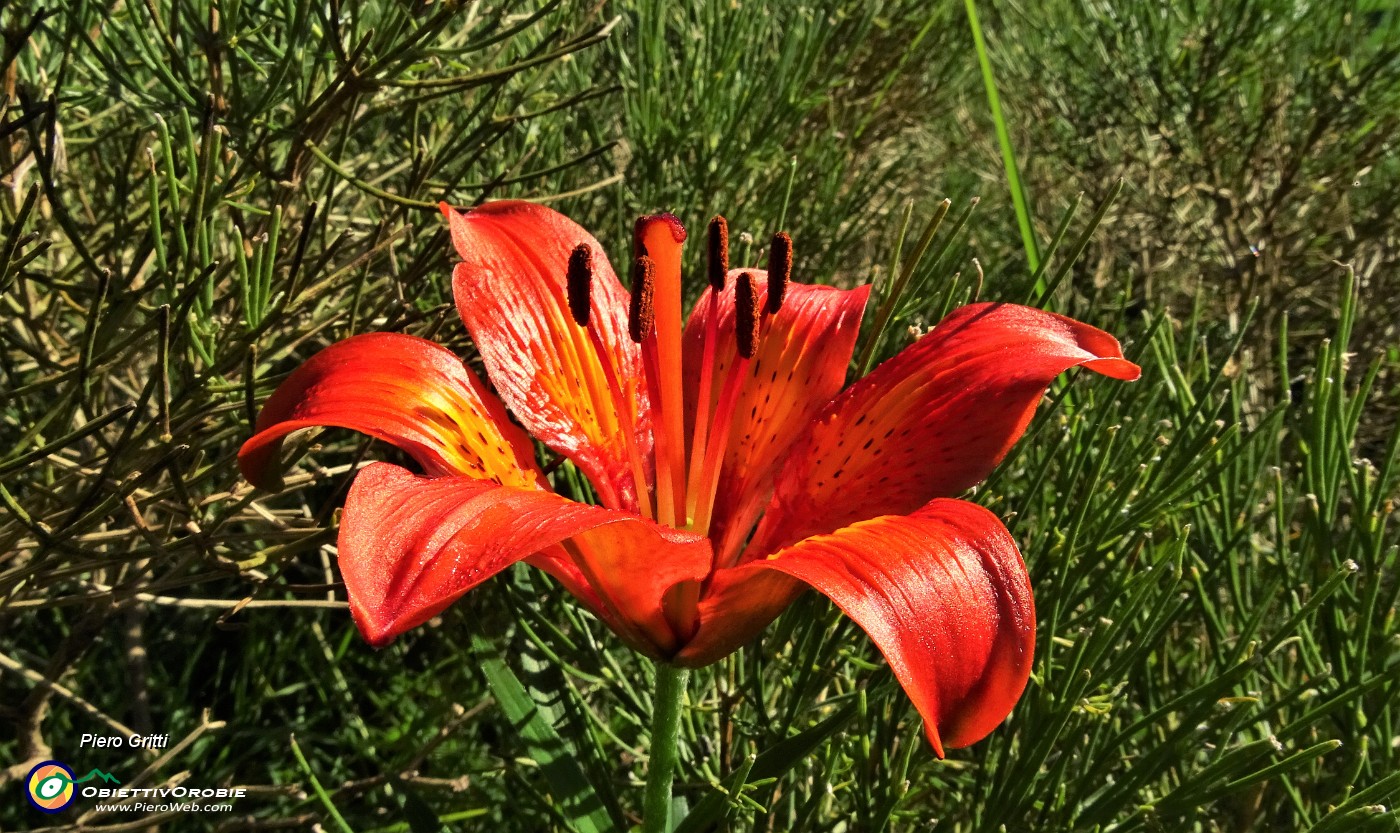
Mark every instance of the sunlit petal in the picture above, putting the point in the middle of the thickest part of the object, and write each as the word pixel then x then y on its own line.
pixel 932 421
pixel 942 592
pixel 400 389
pixel 511 290
pixel 410 546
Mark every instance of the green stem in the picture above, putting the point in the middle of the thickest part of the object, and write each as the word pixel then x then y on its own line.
pixel 665 751
pixel 1008 156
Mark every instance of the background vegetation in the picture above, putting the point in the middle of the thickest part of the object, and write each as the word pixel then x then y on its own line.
pixel 198 194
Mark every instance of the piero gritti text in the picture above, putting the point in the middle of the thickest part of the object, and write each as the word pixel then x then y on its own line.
pixel 119 741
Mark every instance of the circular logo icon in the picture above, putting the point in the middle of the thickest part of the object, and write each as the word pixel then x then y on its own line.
pixel 49 787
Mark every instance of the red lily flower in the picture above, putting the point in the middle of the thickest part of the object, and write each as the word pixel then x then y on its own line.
pixel 731 469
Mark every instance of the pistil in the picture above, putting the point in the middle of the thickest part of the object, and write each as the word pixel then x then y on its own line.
pixel 659 238
pixel 641 326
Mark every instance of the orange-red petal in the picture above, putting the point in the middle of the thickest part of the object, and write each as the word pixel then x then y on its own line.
pixel 930 422
pixel 410 546
pixel 401 389
pixel 800 364
pixel 942 592
pixel 511 290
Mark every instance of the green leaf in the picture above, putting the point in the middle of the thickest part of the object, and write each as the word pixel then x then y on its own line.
pixel 558 761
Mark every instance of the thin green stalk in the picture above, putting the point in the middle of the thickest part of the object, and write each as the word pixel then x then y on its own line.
pixel 1008 156
pixel 787 194
pixel 665 751
pixel 899 284
pixel 316 787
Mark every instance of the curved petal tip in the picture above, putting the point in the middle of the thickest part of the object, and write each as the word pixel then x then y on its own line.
pixel 945 596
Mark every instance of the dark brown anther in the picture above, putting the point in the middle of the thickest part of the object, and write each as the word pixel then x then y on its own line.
pixel 746 315
pixel 642 315
pixel 580 283
pixel 717 264
pixel 779 269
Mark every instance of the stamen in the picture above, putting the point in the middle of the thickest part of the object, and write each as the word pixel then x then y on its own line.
pixel 746 315
pixel 717 264
pixel 580 288
pixel 717 270
pixel 779 270
pixel 580 283
pixel 624 395
pixel 699 440
pixel 642 315
pixel 701 503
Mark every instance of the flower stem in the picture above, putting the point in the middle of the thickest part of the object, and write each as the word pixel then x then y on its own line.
pixel 665 734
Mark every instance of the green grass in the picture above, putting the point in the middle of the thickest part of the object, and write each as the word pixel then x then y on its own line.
pixel 201 193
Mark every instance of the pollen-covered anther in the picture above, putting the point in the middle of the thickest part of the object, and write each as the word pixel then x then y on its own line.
pixel 580 283
pixel 746 315
pixel 779 269
pixel 642 315
pixel 717 260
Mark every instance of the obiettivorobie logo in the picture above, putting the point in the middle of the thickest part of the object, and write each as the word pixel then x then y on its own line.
pixel 51 785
